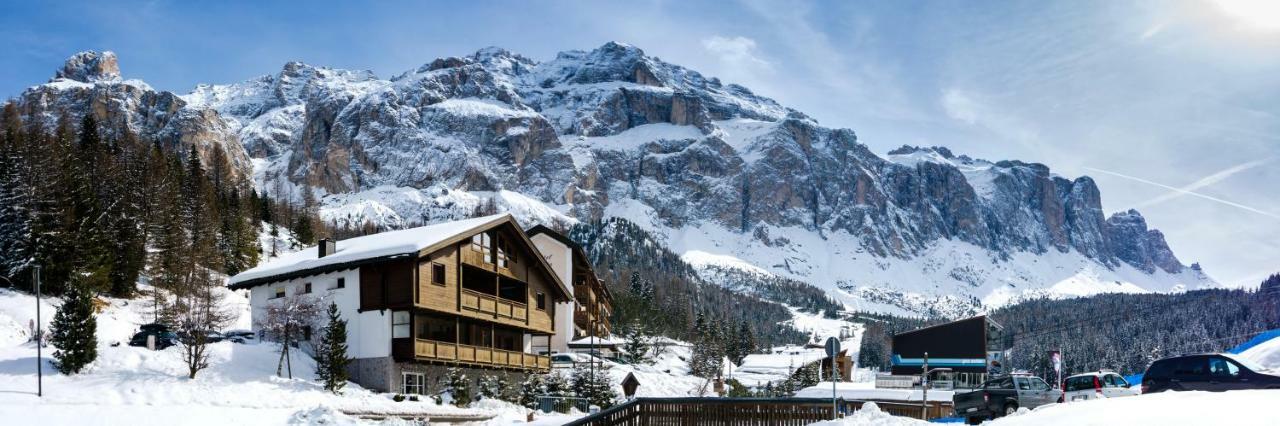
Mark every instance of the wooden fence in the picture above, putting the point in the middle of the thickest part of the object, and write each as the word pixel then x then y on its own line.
pixel 742 411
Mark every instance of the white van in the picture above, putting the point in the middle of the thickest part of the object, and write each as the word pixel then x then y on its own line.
pixel 1099 385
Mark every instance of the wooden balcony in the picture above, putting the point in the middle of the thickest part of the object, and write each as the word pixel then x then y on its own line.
pixel 490 304
pixel 442 351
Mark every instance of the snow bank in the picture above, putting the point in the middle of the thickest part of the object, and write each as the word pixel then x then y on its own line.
pixel 868 391
pixel 870 415
pixel 1237 408
pixel 1266 353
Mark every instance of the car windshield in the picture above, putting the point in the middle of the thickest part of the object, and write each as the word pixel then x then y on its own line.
pixel 1246 362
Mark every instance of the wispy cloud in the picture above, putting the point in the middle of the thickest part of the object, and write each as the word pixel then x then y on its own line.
pixel 739 51
pixel 1204 182
pixel 1186 192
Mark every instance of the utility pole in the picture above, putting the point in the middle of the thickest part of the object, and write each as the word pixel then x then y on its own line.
pixel 924 389
pixel 39 339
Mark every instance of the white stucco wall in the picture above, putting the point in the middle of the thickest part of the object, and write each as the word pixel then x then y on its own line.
pixel 368 333
pixel 560 257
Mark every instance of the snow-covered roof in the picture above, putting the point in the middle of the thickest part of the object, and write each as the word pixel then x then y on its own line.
pixel 377 246
pixel 599 341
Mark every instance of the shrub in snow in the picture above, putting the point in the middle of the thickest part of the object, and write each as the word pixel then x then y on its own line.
pixel 398 398
pixel 457 387
pixel 75 331
pixel 594 385
pixel 533 386
pixel 494 386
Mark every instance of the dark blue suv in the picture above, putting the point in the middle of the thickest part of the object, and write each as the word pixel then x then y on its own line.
pixel 1208 372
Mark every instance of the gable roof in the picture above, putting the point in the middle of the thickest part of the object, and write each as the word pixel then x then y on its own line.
pixel 353 252
pixel 577 249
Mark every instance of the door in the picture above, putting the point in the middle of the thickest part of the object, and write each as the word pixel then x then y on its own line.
pixel 1115 386
pixel 1041 392
pixel 1191 373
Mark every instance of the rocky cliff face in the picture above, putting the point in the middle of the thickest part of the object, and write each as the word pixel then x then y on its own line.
pixel 90 82
pixel 615 132
pixel 587 128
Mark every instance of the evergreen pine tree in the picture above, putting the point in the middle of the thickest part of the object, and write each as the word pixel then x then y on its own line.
pixel 331 353
pixel 74 331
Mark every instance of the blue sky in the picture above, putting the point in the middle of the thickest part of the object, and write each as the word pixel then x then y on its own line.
pixel 1172 106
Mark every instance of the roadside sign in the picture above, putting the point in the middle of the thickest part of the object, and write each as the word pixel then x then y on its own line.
pixel 833 346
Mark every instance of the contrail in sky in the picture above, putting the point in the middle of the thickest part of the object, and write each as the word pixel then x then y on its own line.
pixel 1206 181
pixel 1186 192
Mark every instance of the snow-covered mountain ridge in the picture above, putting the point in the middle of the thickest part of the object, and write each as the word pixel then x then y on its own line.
pixel 714 169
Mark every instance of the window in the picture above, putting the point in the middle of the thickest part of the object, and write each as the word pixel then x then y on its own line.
pixel 306 333
pixel 306 288
pixel 399 324
pixel 279 293
pixel 437 274
pixel 540 301
pixel 1219 367
pixel 1039 384
pixel 1190 366
pixel 414 384
pixel 483 243
pixel 342 283
pixel 502 253
pixel 436 327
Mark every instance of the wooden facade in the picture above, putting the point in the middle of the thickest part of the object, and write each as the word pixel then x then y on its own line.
pixel 470 302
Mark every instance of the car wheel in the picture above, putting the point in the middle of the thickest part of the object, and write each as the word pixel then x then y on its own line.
pixel 973 420
pixel 1010 409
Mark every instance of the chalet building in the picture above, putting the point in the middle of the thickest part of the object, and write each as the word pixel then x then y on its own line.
pixel 474 294
pixel 591 304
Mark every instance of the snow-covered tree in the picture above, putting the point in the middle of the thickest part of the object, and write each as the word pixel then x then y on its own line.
pixel 533 386
pixel 594 385
pixel 458 387
pixel 74 331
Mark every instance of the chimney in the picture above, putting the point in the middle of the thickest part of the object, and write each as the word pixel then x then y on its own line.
pixel 327 247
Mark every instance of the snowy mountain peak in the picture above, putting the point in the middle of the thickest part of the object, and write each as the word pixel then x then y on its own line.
pixel 90 67
pixel 717 169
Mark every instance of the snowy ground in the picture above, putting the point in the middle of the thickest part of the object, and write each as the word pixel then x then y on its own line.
pixel 128 385
pixel 1236 408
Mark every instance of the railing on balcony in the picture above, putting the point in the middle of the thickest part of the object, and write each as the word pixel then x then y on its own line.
pixel 491 304
pixel 444 351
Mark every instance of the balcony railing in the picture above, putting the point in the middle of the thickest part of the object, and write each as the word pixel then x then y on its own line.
pixel 490 304
pixel 444 351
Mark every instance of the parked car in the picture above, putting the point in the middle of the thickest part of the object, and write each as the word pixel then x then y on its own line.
pixel 1002 396
pixel 165 337
pixel 210 336
pixel 1097 385
pixel 240 336
pixel 1207 372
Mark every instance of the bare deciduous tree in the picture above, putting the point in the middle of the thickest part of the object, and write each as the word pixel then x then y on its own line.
pixel 284 322
pixel 204 312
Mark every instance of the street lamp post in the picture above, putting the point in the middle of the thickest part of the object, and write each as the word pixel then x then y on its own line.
pixel 39 338
pixel 924 386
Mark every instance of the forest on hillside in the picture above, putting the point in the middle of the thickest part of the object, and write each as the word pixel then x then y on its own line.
pixel 96 206
pixel 654 289
pixel 1122 332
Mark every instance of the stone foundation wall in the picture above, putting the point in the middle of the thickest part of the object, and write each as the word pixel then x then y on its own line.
pixel 437 376
pixel 374 373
